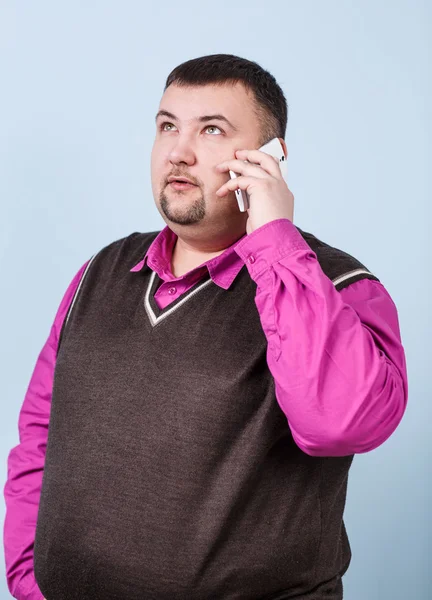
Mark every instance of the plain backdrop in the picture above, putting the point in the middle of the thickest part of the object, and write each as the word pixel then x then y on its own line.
pixel 80 85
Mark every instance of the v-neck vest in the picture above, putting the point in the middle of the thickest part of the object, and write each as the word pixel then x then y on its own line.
pixel 171 472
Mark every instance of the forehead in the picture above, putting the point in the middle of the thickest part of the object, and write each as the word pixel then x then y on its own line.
pixel 234 101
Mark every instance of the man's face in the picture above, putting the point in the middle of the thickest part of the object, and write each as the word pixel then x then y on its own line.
pixel 197 128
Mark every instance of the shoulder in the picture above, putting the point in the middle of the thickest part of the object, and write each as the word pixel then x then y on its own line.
pixel 107 266
pixel 124 251
pixel 339 266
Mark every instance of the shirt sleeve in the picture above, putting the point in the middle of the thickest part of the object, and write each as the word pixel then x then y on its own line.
pixel 25 463
pixel 336 356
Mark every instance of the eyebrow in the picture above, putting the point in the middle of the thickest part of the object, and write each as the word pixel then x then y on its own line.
pixel 203 119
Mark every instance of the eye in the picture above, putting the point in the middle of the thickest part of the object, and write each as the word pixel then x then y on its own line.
pixel 213 127
pixel 163 126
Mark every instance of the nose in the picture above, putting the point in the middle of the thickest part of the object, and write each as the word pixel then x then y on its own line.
pixel 182 152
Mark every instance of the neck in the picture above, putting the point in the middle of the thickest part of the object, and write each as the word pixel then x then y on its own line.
pixel 186 258
pixel 187 255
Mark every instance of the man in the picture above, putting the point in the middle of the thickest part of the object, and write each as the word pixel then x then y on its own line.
pixel 212 381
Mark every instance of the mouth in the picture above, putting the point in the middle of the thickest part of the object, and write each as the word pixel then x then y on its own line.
pixel 180 183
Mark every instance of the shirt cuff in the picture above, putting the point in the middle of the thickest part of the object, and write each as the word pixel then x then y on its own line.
pixel 269 244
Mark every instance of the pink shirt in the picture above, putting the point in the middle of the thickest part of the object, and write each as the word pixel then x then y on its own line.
pixel 336 358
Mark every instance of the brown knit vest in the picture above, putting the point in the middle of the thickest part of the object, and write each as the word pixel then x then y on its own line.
pixel 171 472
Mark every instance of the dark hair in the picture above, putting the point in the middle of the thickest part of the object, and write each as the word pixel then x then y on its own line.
pixel 219 69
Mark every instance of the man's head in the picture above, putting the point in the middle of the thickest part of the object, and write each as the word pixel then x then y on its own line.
pixel 211 107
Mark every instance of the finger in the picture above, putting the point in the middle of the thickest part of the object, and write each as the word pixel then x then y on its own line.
pixel 243 168
pixel 241 183
pixel 267 162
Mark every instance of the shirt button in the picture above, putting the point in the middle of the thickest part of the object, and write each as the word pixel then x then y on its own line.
pixel 251 259
pixel 172 291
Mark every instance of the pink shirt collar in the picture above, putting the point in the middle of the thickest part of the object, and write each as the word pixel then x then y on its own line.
pixel 223 269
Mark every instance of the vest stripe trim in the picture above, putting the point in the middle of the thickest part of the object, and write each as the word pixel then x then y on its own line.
pixel 154 320
pixel 79 287
pixel 350 275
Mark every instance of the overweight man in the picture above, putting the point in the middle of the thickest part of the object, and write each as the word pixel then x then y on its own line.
pixel 191 420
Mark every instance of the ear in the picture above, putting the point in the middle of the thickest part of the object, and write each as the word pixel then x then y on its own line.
pixel 284 146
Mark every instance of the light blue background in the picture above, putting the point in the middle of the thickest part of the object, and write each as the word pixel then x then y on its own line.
pixel 80 85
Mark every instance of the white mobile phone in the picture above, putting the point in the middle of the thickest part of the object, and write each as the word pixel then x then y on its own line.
pixel 275 149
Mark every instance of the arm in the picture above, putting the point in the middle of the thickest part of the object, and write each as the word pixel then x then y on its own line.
pixel 26 462
pixel 336 357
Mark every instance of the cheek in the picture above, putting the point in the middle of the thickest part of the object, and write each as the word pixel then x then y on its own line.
pixel 156 167
pixel 155 156
pixel 213 178
pixel 219 179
